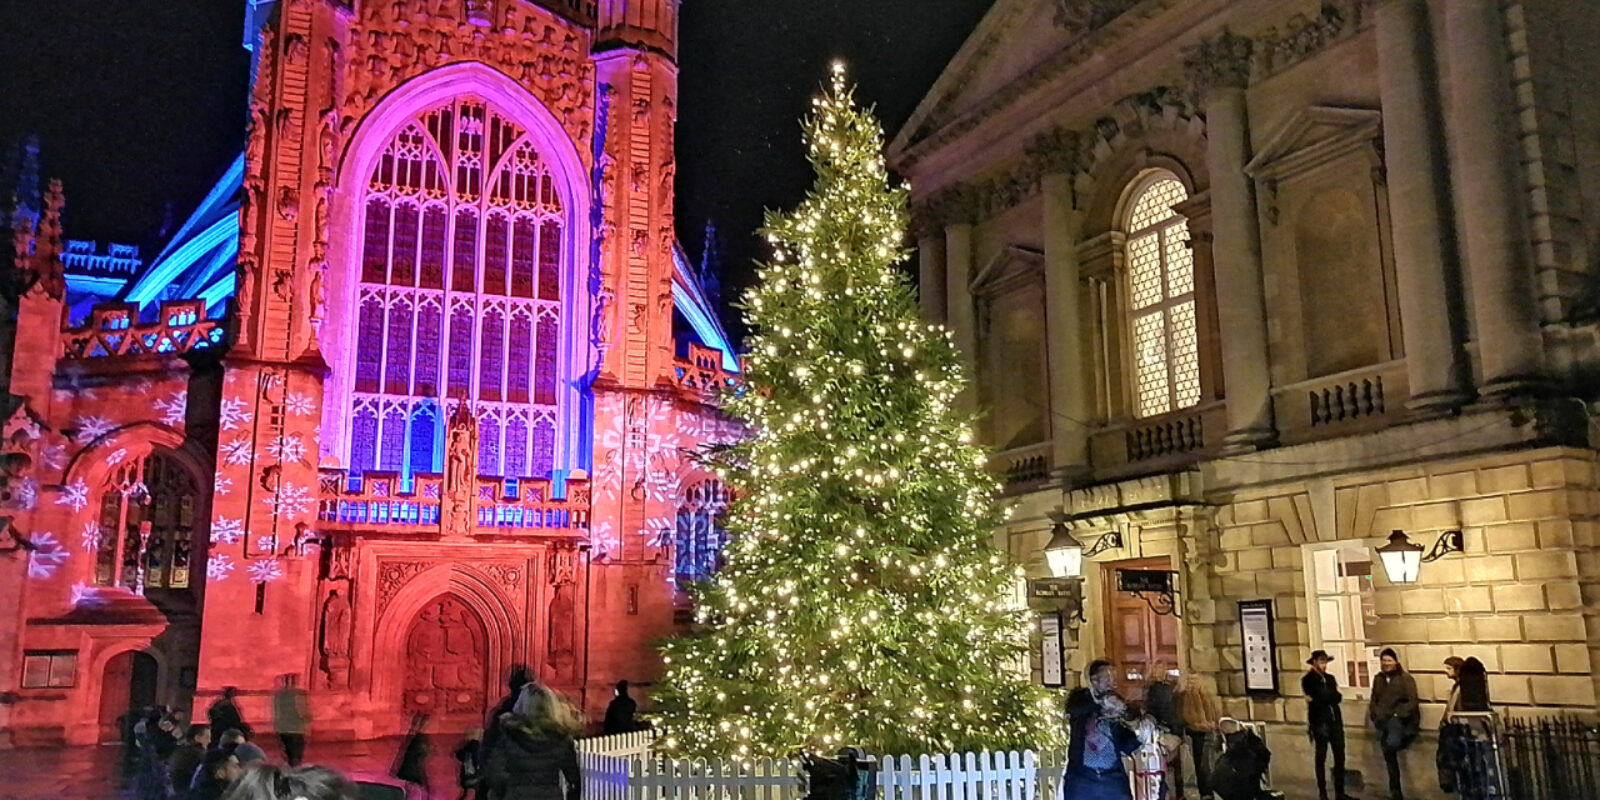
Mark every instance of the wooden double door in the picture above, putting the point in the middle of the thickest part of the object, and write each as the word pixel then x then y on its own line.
pixel 1138 639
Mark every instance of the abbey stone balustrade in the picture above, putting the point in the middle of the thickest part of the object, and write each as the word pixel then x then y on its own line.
pixel 114 329
pixel 381 501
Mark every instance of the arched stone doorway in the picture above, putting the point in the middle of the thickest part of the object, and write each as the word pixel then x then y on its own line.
pixel 129 682
pixel 447 659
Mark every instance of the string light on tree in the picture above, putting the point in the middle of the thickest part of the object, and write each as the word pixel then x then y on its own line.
pixel 861 602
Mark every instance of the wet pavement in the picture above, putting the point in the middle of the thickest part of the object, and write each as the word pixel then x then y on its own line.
pixel 93 773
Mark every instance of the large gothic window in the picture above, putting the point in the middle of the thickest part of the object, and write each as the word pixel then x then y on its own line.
pixel 459 296
pixel 699 537
pixel 1161 309
pixel 147 519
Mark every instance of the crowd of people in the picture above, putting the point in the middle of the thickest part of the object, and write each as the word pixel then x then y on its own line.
pixel 526 751
pixel 1108 734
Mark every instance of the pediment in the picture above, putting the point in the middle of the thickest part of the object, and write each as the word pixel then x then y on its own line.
pixel 1013 266
pixel 1315 136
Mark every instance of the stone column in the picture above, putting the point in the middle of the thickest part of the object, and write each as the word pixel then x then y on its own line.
pixel 1069 379
pixel 1430 291
pixel 931 276
pixel 960 312
pixel 1490 198
pixel 1219 70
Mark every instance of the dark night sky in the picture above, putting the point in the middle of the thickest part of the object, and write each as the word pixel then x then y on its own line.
pixel 139 103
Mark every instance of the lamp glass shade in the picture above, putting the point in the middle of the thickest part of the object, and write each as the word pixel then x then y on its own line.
pixel 1402 560
pixel 1064 554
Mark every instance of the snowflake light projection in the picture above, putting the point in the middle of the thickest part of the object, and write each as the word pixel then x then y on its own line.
pixel 603 540
pixel 47 555
pixel 75 494
pixel 233 414
pixel 227 530
pixel 219 566
pixel 89 538
pixel 92 428
pixel 286 448
pixel 54 455
pixel 85 596
pixel 28 492
pixel 265 571
pixel 117 456
pixel 267 544
pixel 300 404
pixel 173 408
pixel 237 452
pixel 291 500
pixel 223 485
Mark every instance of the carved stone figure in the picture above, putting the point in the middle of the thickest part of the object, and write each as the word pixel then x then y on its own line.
pixel 336 625
pixel 461 471
pixel 288 203
pixel 316 296
pixel 605 316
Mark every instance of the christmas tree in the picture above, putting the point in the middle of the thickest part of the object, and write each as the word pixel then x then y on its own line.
pixel 861 602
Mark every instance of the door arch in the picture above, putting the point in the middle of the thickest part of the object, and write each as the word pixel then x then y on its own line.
pixel 128 683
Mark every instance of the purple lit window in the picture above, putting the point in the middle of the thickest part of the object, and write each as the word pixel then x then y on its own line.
pixel 392 444
pixel 432 248
pixel 492 355
pixel 516 447
pixel 427 377
pixel 465 267
pixel 403 266
pixel 522 258
pixel 461 346
pixel 369 344
pixel 489 444
pixel 543 451
pixel 521 353
pixel 364 440
pixel 544 362
pixel 494 256
pixel 375 247
pixel 397 376
pixel 423 426
pixel 550 260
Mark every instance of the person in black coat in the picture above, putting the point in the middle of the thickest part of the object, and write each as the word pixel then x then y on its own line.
pixel 224 713
pixel 412 765
pixel 536 755
pixel 1325 721
pixel 1099 738
pixel 619 714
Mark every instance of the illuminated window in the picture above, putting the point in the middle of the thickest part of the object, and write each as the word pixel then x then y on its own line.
pixel 1166 346
pixel 699 537
pixel 460 295
pixel 1343 613
pixel 147 519
pixel 49 669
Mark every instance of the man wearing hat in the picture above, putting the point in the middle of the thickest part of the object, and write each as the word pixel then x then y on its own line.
pixel 1327 724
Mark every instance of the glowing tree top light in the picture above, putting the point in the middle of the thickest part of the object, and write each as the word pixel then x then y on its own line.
pixel 861 602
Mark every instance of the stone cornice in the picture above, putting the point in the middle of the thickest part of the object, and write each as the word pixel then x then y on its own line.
pixel 1220 62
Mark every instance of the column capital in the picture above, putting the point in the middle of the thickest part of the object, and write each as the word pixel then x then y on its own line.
pixel 1055 152
pixel 957 204
pixel 1220 62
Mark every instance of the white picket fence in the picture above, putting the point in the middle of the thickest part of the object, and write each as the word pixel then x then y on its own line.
pixel 952 776
pixel 635 743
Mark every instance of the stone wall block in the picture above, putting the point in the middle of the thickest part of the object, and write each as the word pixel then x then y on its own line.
pixel 1556 534
pixel 1408 491
pixel 1511 537
pixel 1563 595
pixel 1519 597
pixel 1453 485
pixel 1573 659
pixel 1579 472
pixel 1544 565
pixel 1393 519
pixel 1554 628
pixel 1500 480
pixel 1250 511
pixel 1416 602
pixel 1543 504
pixel 1562 690
pixel 1483 510
pixel 1490 569
pixel 1468 599
pixel 1272 534
pixel 1236 538
pixel 1585 533
pixel 1436 516
pixel 1287 558
pixel 1280 582
pixel 1387 604
pixel 1446 572
pixel 1253 559
pixel 1510 690
pixel 1502 628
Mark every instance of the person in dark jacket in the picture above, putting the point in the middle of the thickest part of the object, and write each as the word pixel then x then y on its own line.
pixel 224 713
pixel 536 757
pixel 412 765
pixel 1396 713
pixel 216 773
pixel 1461 768
pixel 186 759
pixel 515 680
pixel 1099 738
pixel 469 762
pixel 619 714
pixel 1325 722
pixel 1161 703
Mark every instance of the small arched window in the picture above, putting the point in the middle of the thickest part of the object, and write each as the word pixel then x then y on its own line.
pixel 1161 310
pixel 700 537
pixel 146 533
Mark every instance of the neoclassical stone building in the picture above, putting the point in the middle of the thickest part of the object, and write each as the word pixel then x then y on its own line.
pixel 1246 285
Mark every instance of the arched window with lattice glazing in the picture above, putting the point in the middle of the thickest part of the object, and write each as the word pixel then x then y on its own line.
pixel 699 537
pixel 148 518
pixel 1161 306
pixel 459 297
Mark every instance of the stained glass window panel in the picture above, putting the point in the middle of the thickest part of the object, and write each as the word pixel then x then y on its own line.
pixel 550 260
pixel 433 239
pixel 1185 355
pixel 494 256
pixel 392 442
pixel 1160 269
pixel 375 245
pixel 517 446
pixel 542 455
pixel 428 344
pixel 397 373
pixel 522 258
pixel 364 439
pixel 1180 261
pixel 491 356
pixel 464 272
pixel 1155 204
pixel 403 265
pixel 423 427
pixel 489 443
pixel 544 361
pixel 369 344
pixel 461 346
pixel 521 365
pixel 1144 270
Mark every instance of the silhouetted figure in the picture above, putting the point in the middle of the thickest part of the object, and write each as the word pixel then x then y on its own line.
pixel 224 713
pixel 515 680
pixel 217 772
pixel 619 714
pixel 186 759
pixel 412 765
pixel 1099 739
pixel 1325 721
pixel 536 757
pixel 289 719
pixel 469 764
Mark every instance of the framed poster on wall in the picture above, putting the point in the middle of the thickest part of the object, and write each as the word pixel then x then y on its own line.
pixel 1260 647
pixel 1052 651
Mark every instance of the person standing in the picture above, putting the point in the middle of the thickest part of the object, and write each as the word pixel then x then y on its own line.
pixel 536 757
pixel 1161 703
pixel 289 719
pixel 1099 738
pixel 1201 712
pixel 1325 722
pixel 186 759
pixel 619 714
pixel 1396 713
pixel 412 765
pixel 469 762
pixel 224 713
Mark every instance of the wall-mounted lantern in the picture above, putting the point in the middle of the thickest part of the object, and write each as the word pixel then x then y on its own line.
pixel 1403 559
